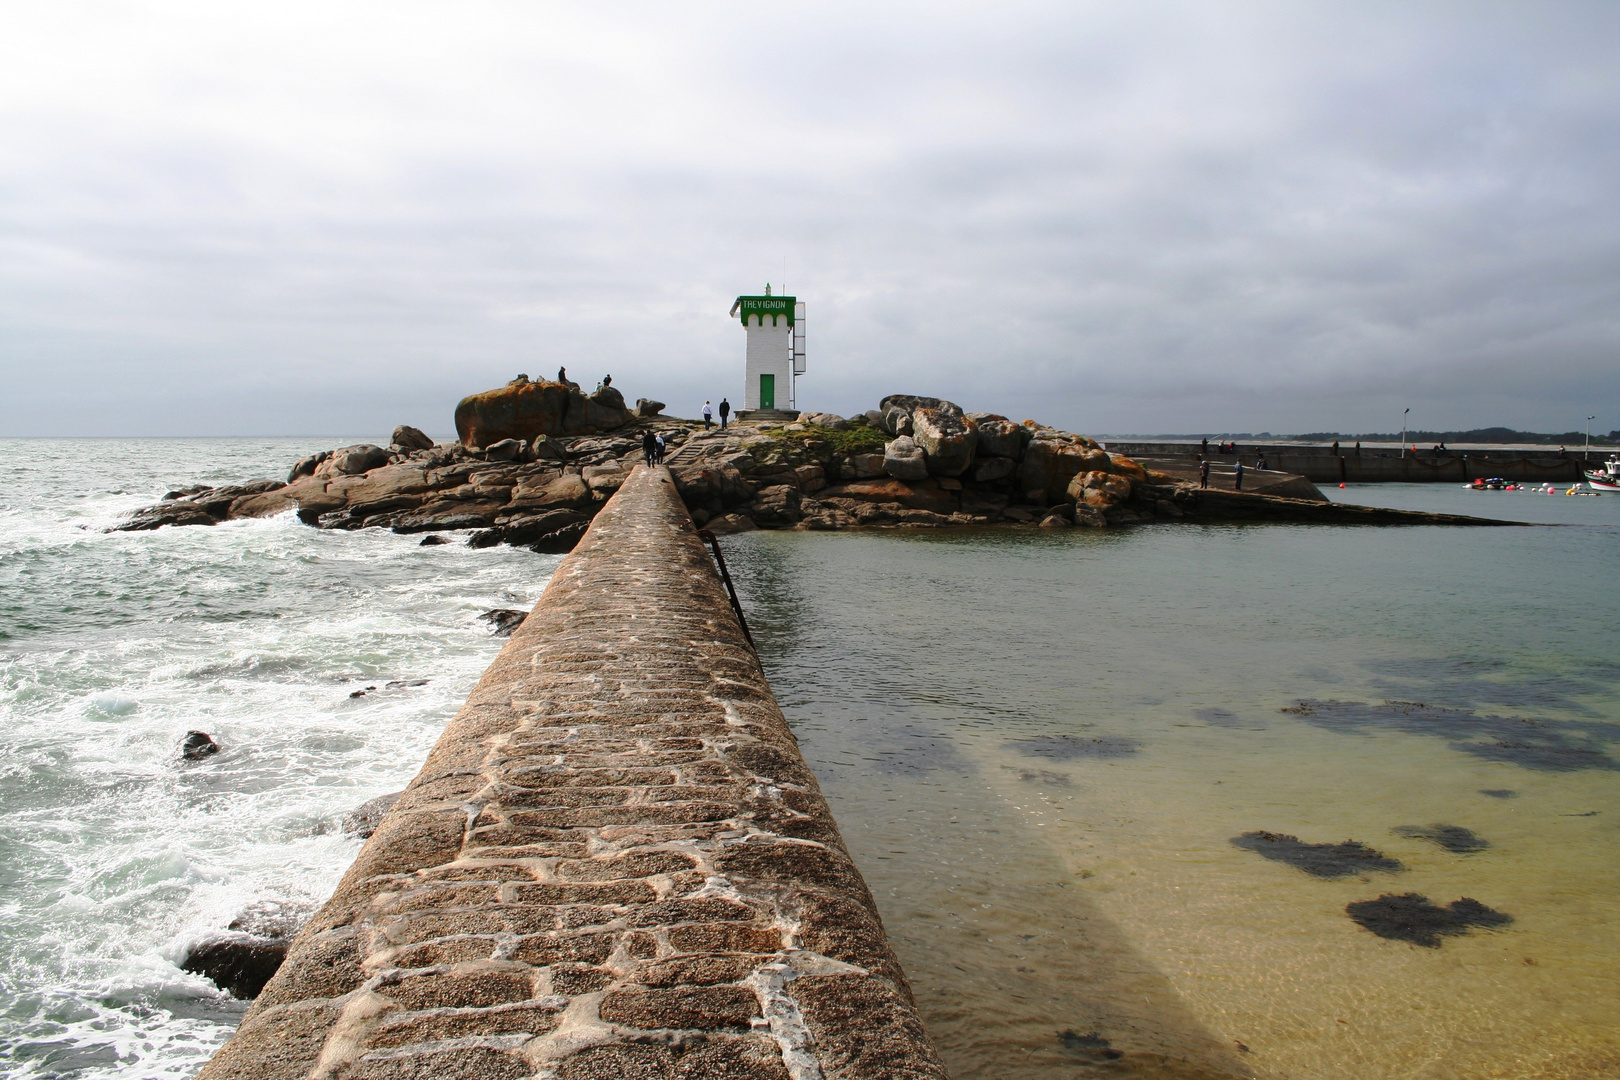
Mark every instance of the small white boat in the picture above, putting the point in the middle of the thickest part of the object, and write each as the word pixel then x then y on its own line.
pixel 1606 478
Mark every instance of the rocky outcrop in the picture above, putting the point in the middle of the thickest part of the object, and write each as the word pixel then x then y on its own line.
pixel 527 410
pixel 947 437
pixel 956 469
pixel 903 459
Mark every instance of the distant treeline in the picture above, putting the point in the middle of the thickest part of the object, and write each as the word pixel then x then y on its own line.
pixel 1475 435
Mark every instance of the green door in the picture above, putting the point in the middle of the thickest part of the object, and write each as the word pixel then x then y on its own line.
pixel 767 391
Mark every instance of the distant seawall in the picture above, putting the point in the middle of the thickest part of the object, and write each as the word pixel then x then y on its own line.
pixel 614 863
pixel 1320 465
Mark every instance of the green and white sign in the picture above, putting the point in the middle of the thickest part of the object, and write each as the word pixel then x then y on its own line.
pixel 773 307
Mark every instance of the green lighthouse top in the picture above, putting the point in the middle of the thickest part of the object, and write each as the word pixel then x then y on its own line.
pixel 761 306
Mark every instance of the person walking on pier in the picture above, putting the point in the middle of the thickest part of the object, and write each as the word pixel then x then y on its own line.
pixel 649 445
pixel 1260 461
pixel 708 415
pixel 1203 473
pixel 725 411
pixel 1237 476
pixel 658 447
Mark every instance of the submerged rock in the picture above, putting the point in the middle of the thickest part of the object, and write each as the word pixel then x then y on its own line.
pixel 1075 747
pixel 198 745
pixel 504 620
pixel 1090 1044
pixel 363 820
pixel 239 964
pixel 1453 838
pixel 1412 917
pixel 1319 860
pixel 1499 793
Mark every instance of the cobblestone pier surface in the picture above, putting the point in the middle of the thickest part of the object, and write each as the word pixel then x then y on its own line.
pixel 614 864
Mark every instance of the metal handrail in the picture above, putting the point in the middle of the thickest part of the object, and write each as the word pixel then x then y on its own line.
pixel 731 590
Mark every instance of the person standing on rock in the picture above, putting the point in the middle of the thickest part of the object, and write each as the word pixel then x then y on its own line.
pixel 708 415
pixel 1237 476
pixel 562 375
pixel 649 446
pixel 1203 473
pixel 725 411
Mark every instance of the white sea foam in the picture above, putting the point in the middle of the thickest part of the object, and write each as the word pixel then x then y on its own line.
pixel 117 854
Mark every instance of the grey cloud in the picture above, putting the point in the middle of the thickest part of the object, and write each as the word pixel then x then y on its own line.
pixel 1141 218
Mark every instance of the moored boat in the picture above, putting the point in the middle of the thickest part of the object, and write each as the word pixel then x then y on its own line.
pixel 1606 478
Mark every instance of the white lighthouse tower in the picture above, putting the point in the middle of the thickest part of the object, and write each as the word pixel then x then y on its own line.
pixel 775 356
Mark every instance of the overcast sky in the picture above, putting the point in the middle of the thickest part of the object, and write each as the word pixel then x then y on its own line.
pixel 302 218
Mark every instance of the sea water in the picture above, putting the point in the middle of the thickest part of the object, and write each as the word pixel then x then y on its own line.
pixel 1040 748
pixel 115 854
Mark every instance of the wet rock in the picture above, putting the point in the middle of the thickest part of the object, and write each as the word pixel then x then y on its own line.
pixel 1319 860
pixel 239 964
pixel 949 440
pixel 1412 917
pixel 1453 838
pixel 777 505
pixel 528 529
pixel 434 540
pixel 166 513
pixel 1076 747
pixel 560 541
pixel 1057 519
pixel 363 820
pixel 647 407
pixel 504 620
pixel 903 459
pixel 411 438
pixel 198 745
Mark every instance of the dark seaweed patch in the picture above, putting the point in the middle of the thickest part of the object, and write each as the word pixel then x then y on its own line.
pixel 1224 718
pixel 1453 838
pixel 1318 860
pixel 1546 745
pixel 1462 681
pixel 909 750
pixel 1090 1044
pixel 1412 917
pixel 1074 747
pixel 1499 792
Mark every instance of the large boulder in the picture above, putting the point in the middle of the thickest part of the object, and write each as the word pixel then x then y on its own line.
pixel 903 459
pixel 646 407
pixel 912 402
pixel 354 460
pixel 411 438
pixel 1099 489
pixel 999 436
pixel 529 410
pixel 1051 462
pixel 949 439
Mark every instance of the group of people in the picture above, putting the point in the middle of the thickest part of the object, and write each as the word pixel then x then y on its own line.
pixel 708 413
pixel 652 447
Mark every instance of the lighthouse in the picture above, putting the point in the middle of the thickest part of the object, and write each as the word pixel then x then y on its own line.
pixel 775 352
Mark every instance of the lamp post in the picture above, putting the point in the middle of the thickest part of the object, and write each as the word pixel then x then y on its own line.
pixel 1588 455
pixel 1403 432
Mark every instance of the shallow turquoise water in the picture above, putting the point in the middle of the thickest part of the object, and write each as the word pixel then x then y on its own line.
pixel 1041 747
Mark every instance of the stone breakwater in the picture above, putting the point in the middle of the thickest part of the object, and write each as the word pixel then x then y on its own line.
pixel 613 864
pixel 917 462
